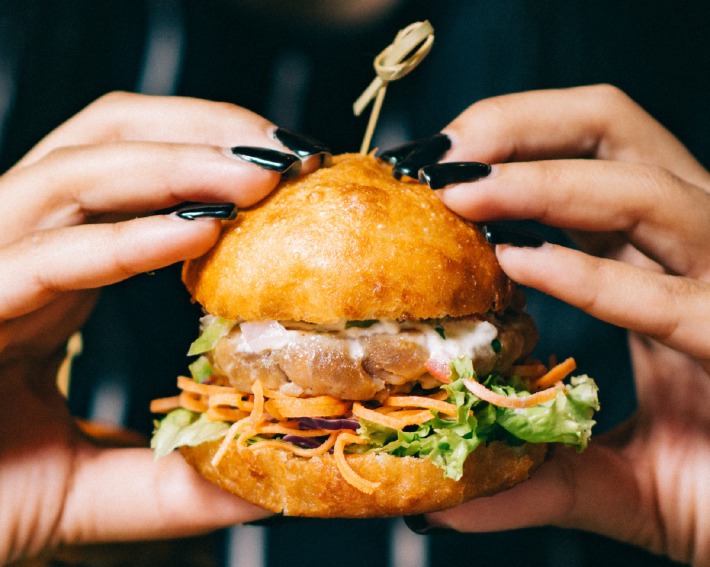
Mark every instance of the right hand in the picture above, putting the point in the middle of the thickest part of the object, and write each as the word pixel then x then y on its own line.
pixel 591 161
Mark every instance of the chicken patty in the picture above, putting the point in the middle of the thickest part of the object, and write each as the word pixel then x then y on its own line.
pixel 366 360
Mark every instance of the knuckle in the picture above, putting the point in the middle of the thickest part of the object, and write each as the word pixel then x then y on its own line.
pixel 610 95
pixel 485 127
pixel 658 185
pixel 113 99
pixel 58 155
pixel 488 114
pixel 107 113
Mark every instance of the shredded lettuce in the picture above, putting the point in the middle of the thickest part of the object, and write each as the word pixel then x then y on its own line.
pixel 446 441
pixel 183 427
pixel 200 369
pixel 210 335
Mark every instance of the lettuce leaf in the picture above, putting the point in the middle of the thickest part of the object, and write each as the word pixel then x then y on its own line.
pixel 445 440
pixel 210 335
pixel 200 369
pixel 566 419
pixel 448 442
pixel 443 445
pixel 183 427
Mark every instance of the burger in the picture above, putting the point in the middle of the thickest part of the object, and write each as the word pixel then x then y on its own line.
pixel 363 354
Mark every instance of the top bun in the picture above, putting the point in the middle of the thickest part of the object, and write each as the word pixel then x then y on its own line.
pixel 348 242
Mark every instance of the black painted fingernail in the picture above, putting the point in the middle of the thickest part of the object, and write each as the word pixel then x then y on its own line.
pixel 440 175
pixel 496 234
pixel 192 211
pixel 275 520
pixel 398 153
pixel 419 525
pixel 304 146
pixel 288 165
pixel 429 152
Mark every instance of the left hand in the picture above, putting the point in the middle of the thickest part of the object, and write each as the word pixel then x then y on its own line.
pixel 79 212
pixel 639 206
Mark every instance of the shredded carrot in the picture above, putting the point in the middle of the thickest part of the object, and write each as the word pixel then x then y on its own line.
pixel 319 406
pixel 377 417
pixel 290 424
pixel 440 395
pixel 189 385
pixel 555 374
pixel 389 410
pixel 246 405
pixel 244 436
pixel 412 417
pixel 531 370
pixel 269 393
pixel 233 431
pixel 230 400
pixel 220 413
pixel 257 413
pixel 350 476
pixel 165 405
pixel 273 409
pixel 300 451
pixel 185 383
pixel 193 402
pixel 479 390
pixel 421 402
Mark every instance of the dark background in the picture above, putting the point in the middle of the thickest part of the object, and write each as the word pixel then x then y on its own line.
pixel 58 56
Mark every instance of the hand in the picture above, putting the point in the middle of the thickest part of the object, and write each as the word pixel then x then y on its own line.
pixel 79 213
pixel 640 210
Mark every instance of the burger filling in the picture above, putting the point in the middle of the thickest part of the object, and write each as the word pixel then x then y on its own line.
pixel 363 360
pixel 432 389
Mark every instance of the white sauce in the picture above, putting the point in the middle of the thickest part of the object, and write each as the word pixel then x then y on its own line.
pixel 465 337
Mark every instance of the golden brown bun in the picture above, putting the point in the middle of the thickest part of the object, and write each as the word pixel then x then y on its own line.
pixel 281 482
pixel 348 242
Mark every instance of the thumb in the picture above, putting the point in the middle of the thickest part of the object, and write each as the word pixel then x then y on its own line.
pixel 595 491
pixel 125 494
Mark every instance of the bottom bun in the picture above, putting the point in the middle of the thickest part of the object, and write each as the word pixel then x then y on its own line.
pixel 281 482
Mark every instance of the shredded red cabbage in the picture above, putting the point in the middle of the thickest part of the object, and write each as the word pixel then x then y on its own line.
pixel 304 442
pixel 331 424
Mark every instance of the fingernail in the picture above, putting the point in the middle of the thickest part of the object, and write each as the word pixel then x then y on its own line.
pixel 192 211
pixel 429 152
pixel 275 520
pixel 419 525
pixel 288 165
pixel 496 234
pixel 398 153
pixel 304 146
pixel 440 175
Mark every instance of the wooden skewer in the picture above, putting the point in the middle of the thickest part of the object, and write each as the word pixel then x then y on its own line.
pixel 409 48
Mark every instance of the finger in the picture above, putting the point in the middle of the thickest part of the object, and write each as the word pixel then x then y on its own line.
pixel 73 184
pixel 672 309
pixel 133 117
pixel 45 331
pixel 595 491
pixel 45 264
pixel 125 494
pixel 662 215
pixel 593 121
